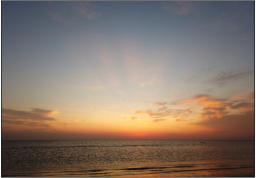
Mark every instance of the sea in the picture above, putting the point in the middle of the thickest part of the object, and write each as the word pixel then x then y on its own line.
pixel 128 158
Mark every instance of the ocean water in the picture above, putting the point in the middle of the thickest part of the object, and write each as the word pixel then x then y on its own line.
pixel 130 158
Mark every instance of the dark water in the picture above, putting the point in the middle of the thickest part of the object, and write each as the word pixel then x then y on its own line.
pixel 152 158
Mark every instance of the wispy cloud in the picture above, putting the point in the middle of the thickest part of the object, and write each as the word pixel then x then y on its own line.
pixel 232 21
pixel 204 101
pixel 203 106
pixel 35 117
pixel 165 111
pixel 244 96
pixel 158 120
pixel 180 8
pixel 221 117
pixel 211 107
pixel 225 77
pixel 63 14
pixel 161 112
pixel 85 9
pixel 216 108
pixel 244 106
pixel 135 118
pixel 161 103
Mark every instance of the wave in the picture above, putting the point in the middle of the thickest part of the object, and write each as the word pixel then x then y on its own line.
pixel 164 168
pixel 129 171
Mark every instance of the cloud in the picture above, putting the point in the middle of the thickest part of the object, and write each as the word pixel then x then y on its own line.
pixel 35 117
pixel 216 108
pixel 27 123
pixel 218 118
pixel 161 103
pixel 204 101
pixel 211 107
pixel 158 120
pixel 225 77
pixel 210 112
pixel 85 9
pixel 202 106
pixel 164 111
pixel 161 112
pixel 67 14
pixel 134 118
pixel 244 106
pixel 180 8
pixel 244 96
pixel 44 112
pixel 241 125
pixel 233 21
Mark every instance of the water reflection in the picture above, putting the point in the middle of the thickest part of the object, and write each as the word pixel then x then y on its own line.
pixel 162 158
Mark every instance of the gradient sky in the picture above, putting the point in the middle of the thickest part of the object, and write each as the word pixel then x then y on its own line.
pixel 179 70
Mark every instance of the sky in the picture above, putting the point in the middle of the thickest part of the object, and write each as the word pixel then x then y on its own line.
pixel 137 70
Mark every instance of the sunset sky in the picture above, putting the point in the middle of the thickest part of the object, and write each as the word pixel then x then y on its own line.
pixel 74 70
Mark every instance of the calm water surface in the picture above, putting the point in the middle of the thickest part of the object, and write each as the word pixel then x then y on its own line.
pixel 152 158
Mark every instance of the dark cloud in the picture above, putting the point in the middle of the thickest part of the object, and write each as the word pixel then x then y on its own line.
pixel 241 124
pixel 35 117
pixel 242 104
pixel 224 77
pixel 213 112
pixel 27 123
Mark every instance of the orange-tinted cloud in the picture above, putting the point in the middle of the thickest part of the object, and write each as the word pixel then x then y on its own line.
pixel 208 107
pixel 165 110
pixel 210 112
pixel 134 118
pixel 161 112
pixel 158 120
pixel 244 106
pixel 224 117
pixel 205 101
pixel 161 103
pixel 35 117
pixel 211 107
